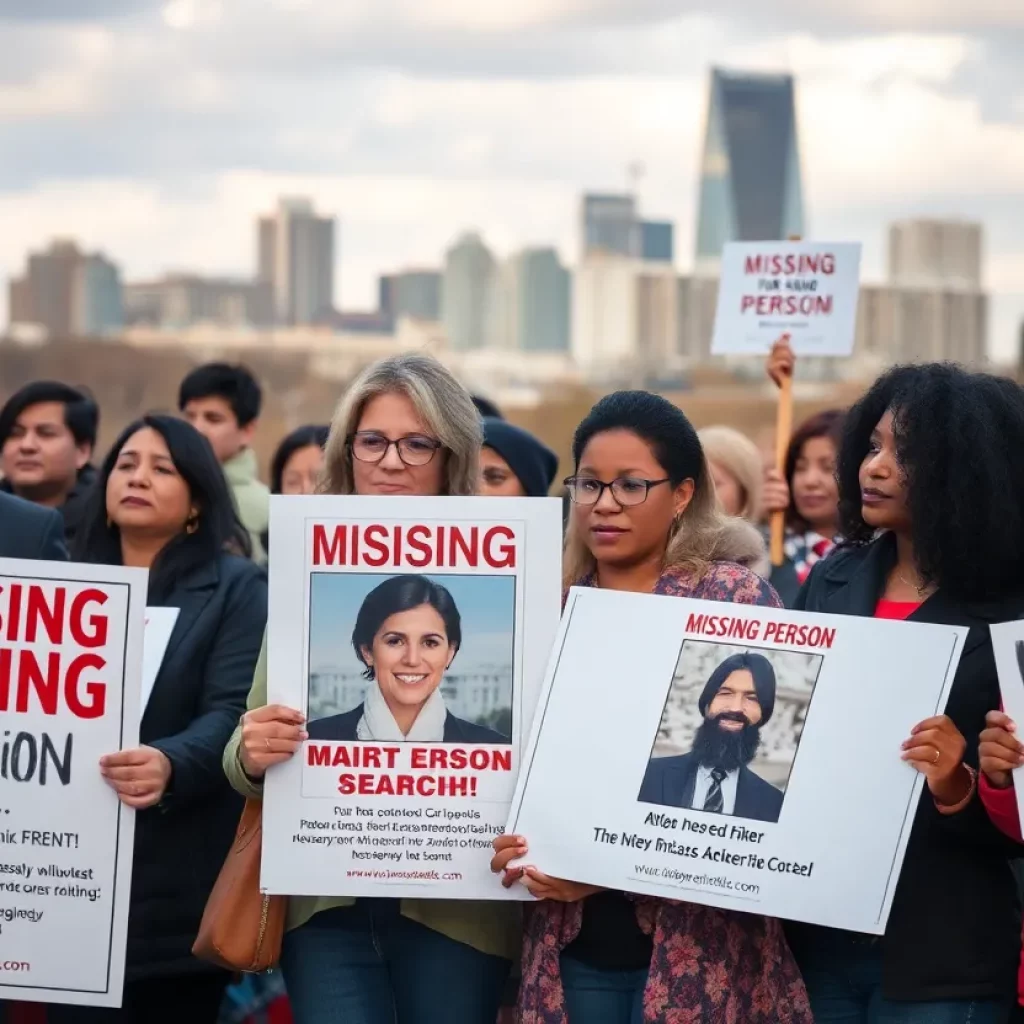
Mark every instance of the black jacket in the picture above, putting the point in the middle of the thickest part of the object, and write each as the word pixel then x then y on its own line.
pixel 456 730
pixel 75 506
pixel 196 702
pixel 30 531
pixel 954 929
pixel 670 781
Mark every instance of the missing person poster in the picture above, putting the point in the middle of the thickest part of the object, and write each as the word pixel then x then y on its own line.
pixel 71 640
pixel 807 290
pixel 413 634
pixel 741 757
pixel 1008 648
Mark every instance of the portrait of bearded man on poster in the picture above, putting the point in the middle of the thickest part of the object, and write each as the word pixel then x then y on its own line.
pixel 736 703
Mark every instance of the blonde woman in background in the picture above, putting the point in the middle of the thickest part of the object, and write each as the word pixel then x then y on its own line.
pixel 405 427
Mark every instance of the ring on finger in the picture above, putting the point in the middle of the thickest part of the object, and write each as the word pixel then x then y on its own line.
pixel 938 754
pixel 267 741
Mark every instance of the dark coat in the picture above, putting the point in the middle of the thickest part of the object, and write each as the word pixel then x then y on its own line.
pixel 30 531
pixel 197 700
pixel 954 929
pixel 670 781
pixel 75 506
pixel 456 730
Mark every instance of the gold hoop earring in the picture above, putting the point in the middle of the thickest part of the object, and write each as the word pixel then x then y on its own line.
pixel 191 525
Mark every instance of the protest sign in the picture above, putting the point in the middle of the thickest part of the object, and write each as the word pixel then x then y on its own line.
pixel 70 663
pixel 741 757
pixel 807 290
pixel 1008 648
pixel 413 634
pixel 159 627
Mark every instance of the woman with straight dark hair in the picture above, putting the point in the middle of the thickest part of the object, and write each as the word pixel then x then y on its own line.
pixel 297 465
pixel 931 496
pixel 645 519
pixel 407 633
pixel 161 503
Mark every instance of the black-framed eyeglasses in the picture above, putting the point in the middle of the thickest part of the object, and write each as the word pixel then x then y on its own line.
pixel 413 449
pixel 626 490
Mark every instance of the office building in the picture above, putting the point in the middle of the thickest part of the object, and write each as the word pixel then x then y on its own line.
pixel 750 182
pixel 67 292
pixel 295 255
pixel 935 253
pixel 468 293
pixel 535 295
pixel 184 300
pixel 410 293
pixel 657 241
pixel 609 225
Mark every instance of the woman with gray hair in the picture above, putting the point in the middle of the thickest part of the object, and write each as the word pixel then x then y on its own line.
pixel 405 426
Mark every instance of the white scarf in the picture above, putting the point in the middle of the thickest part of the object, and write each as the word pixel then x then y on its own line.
pixel 379 725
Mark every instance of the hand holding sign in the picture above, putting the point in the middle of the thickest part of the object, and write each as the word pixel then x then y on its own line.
pixel 936 750
pixel 270 735
pixel 999 751
pixel 139 776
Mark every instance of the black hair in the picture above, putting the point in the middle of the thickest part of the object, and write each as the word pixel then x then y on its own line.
pixel 827 424
pixel 217 528
pixel 654 420
pixel 959 438
pixel 81 413
pixel 401 594
pixel 486 407
pixel 302 437
pixel 760 669
pixel 235 384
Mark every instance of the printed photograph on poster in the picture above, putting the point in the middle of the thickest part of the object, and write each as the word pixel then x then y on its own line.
pixel 411 658
pixel 718 780
pixel 730 729
pixel 71 659
pixel 414 637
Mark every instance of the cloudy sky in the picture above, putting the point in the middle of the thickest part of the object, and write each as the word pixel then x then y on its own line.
pixel 158 129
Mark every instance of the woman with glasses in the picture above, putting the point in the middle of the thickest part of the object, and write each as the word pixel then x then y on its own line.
pixel 645 519
pixel 405 426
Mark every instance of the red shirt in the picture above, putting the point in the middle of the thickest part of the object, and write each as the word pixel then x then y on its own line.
pixel 895 609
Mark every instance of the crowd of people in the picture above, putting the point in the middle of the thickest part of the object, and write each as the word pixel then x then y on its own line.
pixel 909 505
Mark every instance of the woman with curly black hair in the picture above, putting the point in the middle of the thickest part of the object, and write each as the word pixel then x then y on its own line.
pixel 931 498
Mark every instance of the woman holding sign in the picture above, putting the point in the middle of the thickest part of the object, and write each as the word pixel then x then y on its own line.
pixel 404 427
pixel 161 502
pixel 645 520
pixel 932 506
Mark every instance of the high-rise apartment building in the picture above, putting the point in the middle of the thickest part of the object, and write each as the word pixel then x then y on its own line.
pixel 468 293
pixel 609 225
pixel 295 254
pixel 657 241
pixel 68 292
pixel 935 253
pixel 410 293
pixel 750 182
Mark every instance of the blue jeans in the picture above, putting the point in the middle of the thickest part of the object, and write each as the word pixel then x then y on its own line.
pixel 843 975
pixel 595 996
pixel 366 964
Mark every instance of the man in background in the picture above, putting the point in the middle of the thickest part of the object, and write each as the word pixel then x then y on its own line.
pixel 47 437
pixel 223 403
pixel 737 700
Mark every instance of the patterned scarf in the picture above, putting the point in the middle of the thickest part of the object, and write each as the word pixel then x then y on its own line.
pixel 805 550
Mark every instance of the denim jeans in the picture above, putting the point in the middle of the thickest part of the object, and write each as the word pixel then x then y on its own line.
pixel 595 996
pixel 366 964
pixel 843 975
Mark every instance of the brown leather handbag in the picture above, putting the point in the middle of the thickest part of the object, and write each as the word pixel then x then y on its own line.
pixel 242 928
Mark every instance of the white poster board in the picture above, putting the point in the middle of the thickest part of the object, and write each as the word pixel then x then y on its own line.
pixel 807 290
pixel 1008 648
pixel 370 806
pixel 812 826
pixel 159 627
pixel 70 664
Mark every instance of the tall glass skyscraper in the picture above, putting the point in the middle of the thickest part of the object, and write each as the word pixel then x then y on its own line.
pixel 750 186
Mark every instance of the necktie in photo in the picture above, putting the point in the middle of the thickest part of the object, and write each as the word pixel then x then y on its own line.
pixel 714 801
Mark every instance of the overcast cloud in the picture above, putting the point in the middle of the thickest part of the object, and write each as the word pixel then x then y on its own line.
pixel 159 130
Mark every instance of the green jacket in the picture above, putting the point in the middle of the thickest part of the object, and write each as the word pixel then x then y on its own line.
pixel 494 928
pixel 252 498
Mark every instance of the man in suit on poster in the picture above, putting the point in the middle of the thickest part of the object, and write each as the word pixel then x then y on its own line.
pixel 737 700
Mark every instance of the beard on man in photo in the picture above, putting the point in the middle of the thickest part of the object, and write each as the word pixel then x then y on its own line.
pixel 717 745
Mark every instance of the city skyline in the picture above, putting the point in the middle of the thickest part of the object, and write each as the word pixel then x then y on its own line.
pixel 146 136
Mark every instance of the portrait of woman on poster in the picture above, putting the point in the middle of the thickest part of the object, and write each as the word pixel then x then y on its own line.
pixel 407 634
